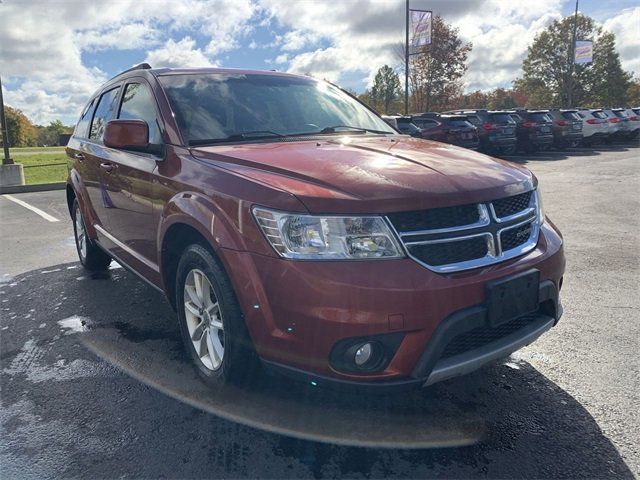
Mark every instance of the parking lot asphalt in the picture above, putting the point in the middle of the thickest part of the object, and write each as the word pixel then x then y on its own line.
pixel 95 384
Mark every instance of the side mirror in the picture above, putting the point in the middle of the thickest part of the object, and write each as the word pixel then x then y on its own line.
pixel 127 134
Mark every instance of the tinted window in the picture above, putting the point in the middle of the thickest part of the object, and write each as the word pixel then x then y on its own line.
pixel 105 111
pixel 474 119
pixel 636 111
pixel 539 117
pixel 599 114
pixel 620 114
pixel 515 117
pixel 459 122
pixel 85 118
pixel 139 104
pixel 501 118
pixel 213 107
pixel 407 127
pixel 570 116
pixel 424 123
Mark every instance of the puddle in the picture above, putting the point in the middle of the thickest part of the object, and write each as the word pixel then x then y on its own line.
pixel 75 324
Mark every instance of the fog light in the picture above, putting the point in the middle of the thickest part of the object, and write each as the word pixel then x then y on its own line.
pixel 363 354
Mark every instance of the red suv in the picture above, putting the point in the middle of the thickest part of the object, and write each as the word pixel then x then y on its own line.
pixel 290 226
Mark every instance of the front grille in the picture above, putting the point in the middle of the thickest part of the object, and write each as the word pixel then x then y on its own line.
pixel 464 237
pixel 514 237
pixel 505 207
pixel 435 218
pixel 481 336
pixel 450 252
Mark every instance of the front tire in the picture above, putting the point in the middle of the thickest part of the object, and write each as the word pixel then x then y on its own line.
pixel 211 322
pixel 90 255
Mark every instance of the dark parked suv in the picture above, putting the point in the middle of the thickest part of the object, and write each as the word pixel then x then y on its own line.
pixel 533 130
pixel 567 128
pixel 453 129
pixel 290 227
pixel 496 130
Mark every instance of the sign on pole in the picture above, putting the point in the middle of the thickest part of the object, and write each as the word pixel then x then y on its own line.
pixel 584 51
pixel 420 30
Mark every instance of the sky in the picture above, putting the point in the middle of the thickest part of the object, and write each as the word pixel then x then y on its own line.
pixel 54 54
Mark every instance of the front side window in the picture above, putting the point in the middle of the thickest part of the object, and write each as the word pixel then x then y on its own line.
pixel 105 111
pixel 139 104
pixel 219 107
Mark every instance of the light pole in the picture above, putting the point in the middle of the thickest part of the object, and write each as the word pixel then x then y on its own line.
pixel 572 49
pixel 6 160
pixel 406 61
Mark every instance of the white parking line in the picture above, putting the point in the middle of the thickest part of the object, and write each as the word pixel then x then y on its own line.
pixel 43 214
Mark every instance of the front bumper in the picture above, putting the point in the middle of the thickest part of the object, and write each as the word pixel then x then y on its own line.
pixel 297 311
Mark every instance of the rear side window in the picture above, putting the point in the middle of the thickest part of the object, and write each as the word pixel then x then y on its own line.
pixel 83 124
pixel 105 111
pixel 139 104
pixel 570 115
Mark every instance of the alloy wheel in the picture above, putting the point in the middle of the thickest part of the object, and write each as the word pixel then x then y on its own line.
pixel 204 319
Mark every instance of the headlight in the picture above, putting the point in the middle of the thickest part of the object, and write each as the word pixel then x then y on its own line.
pixel 310 237
pixel 539 206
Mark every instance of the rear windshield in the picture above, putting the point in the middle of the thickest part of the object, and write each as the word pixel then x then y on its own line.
pixel 459 122
pixel 539 117
pixel 515 117
pixel 636 111
pixel 599 114
pixel 620 114
pixel 218 107
pixel 474 119
pixel 405 126
pixel 501 118
pixel 570 115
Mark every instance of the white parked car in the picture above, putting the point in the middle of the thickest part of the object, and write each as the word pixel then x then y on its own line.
pixel 595 126
pixel 634 121
pixel 616 128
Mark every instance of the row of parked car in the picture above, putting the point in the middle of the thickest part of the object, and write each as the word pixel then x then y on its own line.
pixel 509 131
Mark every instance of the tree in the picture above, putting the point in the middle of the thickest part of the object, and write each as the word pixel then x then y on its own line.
pixel 547 68
pixel 633 92
pixel 50 134
pixel 386 89
pixel 436 71
pixel 20 130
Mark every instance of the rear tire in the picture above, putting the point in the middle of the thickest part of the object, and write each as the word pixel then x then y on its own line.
pixel 91 256
pixel 211 321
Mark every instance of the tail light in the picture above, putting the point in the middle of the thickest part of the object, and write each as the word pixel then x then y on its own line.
pixel 614 120
pixel 562 123
pixel 488 126
pixel 634 118
pixel 527 124
pixel 592 121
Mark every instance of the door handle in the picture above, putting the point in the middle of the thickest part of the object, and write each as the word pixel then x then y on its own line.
pixel 107 166
pixel 79 156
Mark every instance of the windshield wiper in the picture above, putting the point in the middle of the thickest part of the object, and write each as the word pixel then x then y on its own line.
pixel 253 134
pixel 354 129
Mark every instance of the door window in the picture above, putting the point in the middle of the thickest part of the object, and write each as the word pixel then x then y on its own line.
pixel 105 111
pixel 139 104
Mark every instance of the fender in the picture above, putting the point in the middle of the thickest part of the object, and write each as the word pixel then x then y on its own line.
pixel 75 181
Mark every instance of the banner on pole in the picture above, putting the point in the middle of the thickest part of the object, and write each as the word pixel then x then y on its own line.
pixel 584 51
pixel 420 30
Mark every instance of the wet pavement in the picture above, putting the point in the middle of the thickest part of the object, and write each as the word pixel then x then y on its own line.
pixel 95 382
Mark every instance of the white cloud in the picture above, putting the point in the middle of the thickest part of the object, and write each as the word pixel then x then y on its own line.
pixel 178 54
pixel 626 28
pixel 137 35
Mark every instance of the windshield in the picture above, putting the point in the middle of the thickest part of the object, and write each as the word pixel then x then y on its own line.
pixel 213 107
pixel 501 118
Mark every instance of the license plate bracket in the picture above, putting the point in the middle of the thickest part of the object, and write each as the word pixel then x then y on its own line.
pixel 512 297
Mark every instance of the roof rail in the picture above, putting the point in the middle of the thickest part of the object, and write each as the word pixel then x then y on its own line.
pixel 141 66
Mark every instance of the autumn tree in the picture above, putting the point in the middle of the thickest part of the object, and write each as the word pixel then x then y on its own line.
pixel 386 89
pixel 436 70
pixel 21 131
pixel 633 92
pixel 547 68
pixel 50 134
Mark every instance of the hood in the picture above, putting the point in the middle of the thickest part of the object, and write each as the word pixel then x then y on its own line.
pixel 352 174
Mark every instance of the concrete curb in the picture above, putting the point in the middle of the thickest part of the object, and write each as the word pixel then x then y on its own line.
pixel 44 187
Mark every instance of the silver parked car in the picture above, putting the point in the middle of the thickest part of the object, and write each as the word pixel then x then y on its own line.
pixel 595 126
